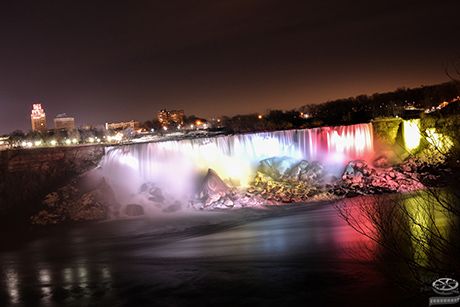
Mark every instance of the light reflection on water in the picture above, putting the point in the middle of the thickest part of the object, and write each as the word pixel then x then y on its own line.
pixel 12 285
pixel 100 262
pixel 52 283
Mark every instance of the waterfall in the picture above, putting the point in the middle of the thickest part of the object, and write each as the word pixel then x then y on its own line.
pixel 173 164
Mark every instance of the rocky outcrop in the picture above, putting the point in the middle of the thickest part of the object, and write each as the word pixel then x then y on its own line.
pixel 213 193
pixel 360 178
pixel 212 186
pixel 70 203
pixel 288 180
pixel 27 175
pixel 386 130
pixel 277 167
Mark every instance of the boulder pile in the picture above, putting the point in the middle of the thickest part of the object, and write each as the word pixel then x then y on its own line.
pixel 277 180
pixel 214 193
pixel 286 180
pixel 360 178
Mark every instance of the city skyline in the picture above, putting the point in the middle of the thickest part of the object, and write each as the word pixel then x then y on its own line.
pixel 103 62
pixel 156 116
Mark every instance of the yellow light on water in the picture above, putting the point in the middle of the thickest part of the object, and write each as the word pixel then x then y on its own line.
pixel 411 134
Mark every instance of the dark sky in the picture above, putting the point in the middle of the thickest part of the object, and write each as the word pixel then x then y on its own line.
pixel 106 61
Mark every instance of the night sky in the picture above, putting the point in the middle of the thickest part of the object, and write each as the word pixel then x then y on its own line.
pixel 108 61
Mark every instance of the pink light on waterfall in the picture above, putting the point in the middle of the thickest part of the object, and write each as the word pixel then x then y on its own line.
pixel 341 144
pixel 351 142
pixel 173 165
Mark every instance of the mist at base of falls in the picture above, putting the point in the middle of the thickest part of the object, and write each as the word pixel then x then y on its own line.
pixel 176 167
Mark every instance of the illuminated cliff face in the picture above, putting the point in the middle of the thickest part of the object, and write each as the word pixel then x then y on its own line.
pixel 173 164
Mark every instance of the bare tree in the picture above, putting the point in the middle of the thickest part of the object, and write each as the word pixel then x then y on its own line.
pixel 417 233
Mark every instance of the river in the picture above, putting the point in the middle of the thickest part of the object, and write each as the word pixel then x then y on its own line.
pixel 304 255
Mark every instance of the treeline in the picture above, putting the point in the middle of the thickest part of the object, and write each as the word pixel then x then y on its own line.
pixel 345 111
pixel 363 108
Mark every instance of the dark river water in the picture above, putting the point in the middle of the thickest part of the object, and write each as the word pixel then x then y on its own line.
pixel 293 256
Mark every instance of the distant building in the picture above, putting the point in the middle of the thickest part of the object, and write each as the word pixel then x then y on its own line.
pixel 64 122
pixel 38 118
pixel 172 117
pixel 163 117
pixel 133 124
pixel 177 116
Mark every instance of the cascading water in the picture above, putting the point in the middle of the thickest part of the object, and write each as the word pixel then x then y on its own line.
pixel 172 165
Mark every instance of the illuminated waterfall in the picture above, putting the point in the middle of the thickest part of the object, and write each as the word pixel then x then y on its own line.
pixel 173 164
pixel 411 134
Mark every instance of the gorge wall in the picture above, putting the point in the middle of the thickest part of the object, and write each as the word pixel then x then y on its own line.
pixel 27 175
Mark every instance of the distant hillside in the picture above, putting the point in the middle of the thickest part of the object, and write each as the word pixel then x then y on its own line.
pixel 363 108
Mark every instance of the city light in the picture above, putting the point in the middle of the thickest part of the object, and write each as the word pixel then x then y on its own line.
pixel 74 141
pixel 53 142
pixel 68 142
pixel 259 117
pixel 38 143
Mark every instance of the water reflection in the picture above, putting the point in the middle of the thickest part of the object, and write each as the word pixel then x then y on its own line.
pixel 417 233
pixel 12 285
pixel 53 284
pixel 124 262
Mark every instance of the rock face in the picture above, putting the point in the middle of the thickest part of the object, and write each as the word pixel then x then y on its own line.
pixel 386 130
pixel 212 185
pixel 69 203
pixel 288 180
pixel 277 167
pixel 359 178
pixel 213 193
pixel 27 175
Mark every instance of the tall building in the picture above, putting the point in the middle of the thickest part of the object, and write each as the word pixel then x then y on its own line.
pixel 163 117
pixel 167 118
pixel 38 118
pixel 64 122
